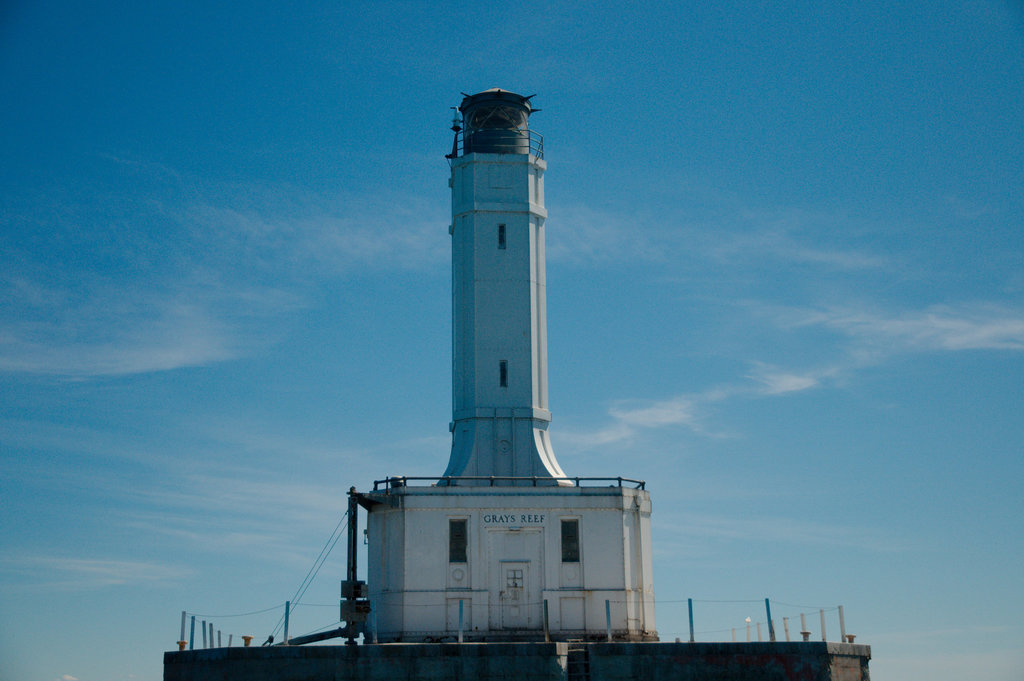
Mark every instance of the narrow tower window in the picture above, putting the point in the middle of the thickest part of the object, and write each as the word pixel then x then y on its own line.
pixel 457 541
pixel 503 373
pixel 570 541
pixel 501 236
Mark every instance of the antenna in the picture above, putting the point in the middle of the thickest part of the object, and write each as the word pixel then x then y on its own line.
pixel 456 128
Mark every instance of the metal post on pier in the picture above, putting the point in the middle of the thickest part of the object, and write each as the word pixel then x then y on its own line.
pixel 608 618
pixel 771 625
pixel 689 604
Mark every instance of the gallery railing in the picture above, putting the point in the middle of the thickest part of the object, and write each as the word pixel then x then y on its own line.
pixel 389 483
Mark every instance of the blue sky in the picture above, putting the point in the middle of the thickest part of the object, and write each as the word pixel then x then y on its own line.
pixel 785 287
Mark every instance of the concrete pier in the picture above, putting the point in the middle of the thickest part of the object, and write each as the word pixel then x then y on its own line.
pixel 796 661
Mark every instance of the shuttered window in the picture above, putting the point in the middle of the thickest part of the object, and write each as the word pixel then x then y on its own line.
pixel 570 541
pixel 457 541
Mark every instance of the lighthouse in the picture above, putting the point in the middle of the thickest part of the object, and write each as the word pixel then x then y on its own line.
pixel 504 546
pixel 500 412
pixel 545 575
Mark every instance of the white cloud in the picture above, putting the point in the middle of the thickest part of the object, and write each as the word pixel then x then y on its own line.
pixel 980 326
pixel 776 381
pixel 776 529
pixel 68 677
pixel 675 411
pixel 71 573
pixel 115 332
pixel 180 280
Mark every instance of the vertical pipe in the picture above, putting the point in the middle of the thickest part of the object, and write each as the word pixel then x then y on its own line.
pixel 803 628
pixel 287 609
pixel 771 625
pixel 822 613
pixel 748 630
pixel 842 626
pixel 785 625
pixel 608 618
pixel 758 632
pixel 230 636
pixel 353 546
pixel 689 603
pixel 211 635
pixel 204 635
pixel 183 617
pixel 460 620
pixel 219 645
pixel 547 630
pixel 734 634
pixel 192 634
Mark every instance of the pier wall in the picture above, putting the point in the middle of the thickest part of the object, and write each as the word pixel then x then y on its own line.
pixel 791 661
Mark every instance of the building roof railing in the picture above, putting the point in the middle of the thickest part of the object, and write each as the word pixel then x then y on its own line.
pixel 523 141
pixel 389 483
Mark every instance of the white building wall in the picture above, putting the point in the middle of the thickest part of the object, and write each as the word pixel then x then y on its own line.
pixel 509 531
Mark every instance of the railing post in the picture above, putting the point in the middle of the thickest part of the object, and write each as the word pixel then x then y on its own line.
pixel 785 626
pixel 822 613
pixel 842 626
pixel 287 612
pixel 689 604
pixel 460 620
pixel 771 625
pixel 608 618
pixel 192 634
pixel 204 635
pixel 547 631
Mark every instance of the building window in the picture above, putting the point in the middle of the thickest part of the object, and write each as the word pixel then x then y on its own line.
pixel 501 236
pixel 457 541
pixel 571 541
pixel 503 373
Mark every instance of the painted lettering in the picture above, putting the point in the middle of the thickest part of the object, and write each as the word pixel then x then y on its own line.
pixel 509 518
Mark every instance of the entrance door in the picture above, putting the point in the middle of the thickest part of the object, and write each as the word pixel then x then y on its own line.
pixel 515 610
pixel 516 578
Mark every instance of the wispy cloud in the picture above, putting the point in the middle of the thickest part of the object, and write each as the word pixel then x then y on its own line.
pixel 97 285
pixel 977 326
pixel 872 338
pixel 776 529
pixel 74 573
pixel 119 333
pixel 787 238
pixel 773 380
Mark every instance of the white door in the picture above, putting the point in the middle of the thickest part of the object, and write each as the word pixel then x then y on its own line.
pixel 515 578
pixel 515 608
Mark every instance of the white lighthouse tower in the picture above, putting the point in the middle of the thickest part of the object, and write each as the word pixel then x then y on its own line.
pixel 500 358
pixel 504 546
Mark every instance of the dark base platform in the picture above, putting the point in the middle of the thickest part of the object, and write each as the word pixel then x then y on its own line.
pixel 792 661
